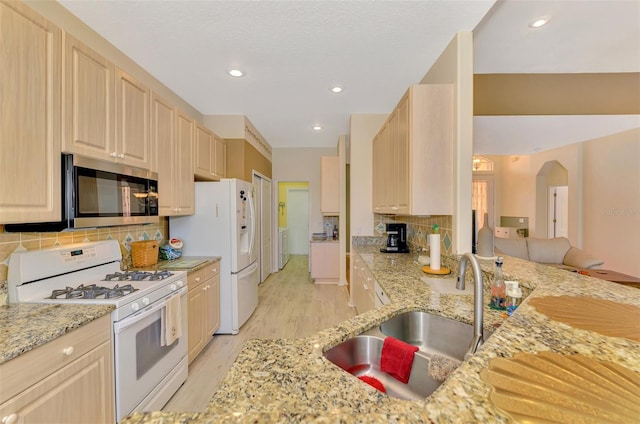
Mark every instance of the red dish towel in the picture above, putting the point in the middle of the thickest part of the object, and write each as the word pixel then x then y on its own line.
pixel 397 358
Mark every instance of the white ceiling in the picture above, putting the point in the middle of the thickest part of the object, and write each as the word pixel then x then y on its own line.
pixel 293 52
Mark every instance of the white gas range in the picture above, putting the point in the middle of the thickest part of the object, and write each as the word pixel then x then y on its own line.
pixel 149 365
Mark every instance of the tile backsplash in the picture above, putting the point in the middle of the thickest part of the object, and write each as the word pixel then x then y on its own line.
pixel 419 228
pixel 9 242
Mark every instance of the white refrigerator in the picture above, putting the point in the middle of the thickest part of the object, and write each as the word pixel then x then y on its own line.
pixel 224 224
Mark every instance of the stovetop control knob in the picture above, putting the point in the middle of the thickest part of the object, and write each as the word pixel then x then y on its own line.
pixel 145 301
pixel 173 287
pixel 180 284
pixel 135 307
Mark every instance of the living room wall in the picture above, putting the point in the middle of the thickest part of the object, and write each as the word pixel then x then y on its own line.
pixel 611 200
pixel 604 196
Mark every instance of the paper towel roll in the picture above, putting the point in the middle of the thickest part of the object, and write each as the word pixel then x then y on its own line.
pixel 434 246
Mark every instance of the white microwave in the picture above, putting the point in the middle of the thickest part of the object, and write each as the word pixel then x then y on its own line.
pixel 101 194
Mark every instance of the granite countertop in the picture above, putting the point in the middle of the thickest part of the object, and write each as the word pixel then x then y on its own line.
pixel 291 381
pixel 328 240
pixel 187 263
pixel 25 326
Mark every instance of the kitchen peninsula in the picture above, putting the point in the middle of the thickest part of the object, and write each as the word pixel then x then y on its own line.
pixel 290 380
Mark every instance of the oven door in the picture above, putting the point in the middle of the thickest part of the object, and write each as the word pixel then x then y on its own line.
pixel 141 362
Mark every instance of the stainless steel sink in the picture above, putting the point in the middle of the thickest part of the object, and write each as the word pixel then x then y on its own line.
pixel 434 335
pixel 361 356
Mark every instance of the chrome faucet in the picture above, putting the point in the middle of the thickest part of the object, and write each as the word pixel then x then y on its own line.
pixel 477 300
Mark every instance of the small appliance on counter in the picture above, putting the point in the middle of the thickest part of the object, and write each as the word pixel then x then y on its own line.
pixel 396 239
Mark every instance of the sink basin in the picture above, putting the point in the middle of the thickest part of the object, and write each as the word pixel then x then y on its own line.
pixel 434 335
pixel 361 356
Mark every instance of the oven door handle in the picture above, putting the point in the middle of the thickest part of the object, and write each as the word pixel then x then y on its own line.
pixel 129 321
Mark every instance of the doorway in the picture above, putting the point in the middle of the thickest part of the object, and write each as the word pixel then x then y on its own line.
pixel 262 196
pixel 298 220
pixel 552 175
pixel 483 189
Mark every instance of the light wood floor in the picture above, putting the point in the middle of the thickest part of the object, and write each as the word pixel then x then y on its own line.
pixel 290 306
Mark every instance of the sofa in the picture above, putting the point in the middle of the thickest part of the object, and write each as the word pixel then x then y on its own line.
pixel 555 251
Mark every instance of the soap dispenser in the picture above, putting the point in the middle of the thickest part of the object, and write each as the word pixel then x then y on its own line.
pixel 498 287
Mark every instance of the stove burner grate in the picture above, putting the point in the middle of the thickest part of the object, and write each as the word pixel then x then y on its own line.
pixel 138 276
pixel 92 291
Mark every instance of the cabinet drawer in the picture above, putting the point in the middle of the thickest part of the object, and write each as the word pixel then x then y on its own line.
pixel 194 279
pixel 31 367
pixel 211 270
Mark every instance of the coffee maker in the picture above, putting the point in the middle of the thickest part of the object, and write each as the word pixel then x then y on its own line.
pixel 396 239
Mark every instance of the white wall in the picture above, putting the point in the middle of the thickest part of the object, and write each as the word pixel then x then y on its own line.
pixel 611 201
pixel 362 130
pixel 297 164
pixel 455 66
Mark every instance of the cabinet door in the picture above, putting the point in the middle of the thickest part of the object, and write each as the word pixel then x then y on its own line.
pixel 196 304
pixel 220 157
pixel 88 102
pixel 203 153
pixel 163 118
pixel 133 142
pixel 403 154
pixel 325 262
pixel 184 165
pixel 378 171
pixel 213 305
pixel 330 185
pixel 81 392
pixel 30 77
pixel 391 180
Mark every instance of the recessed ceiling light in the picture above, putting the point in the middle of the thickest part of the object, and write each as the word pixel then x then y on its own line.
pixel 235 72
pixel 542 20
pixel 336 89
pixel 317 127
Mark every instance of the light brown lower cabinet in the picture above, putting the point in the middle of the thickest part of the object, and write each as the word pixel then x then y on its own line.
pixel 325 262
pixel 203 307
pixel 362 286
pixel 68 380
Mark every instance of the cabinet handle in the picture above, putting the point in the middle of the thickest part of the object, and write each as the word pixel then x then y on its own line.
pixel 364 286
pixel 395 208
pixel 121 155
pixel 68 351
pixel 10 419
pixel 113 154
pixel 197 279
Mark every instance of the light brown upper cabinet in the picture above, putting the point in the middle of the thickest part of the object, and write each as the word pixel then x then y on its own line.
pixel 220 157
pixel 89 101
pixel 30 75
pixel 209 155
pixel 330 185
pixel 106 109
pixel 413 154
pixel 172 135
pixel 133 142
pixel 185 187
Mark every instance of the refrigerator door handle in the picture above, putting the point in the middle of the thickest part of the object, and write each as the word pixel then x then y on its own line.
pixel 252 236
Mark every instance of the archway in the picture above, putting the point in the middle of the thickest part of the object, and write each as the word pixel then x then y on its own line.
pixel 551 175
